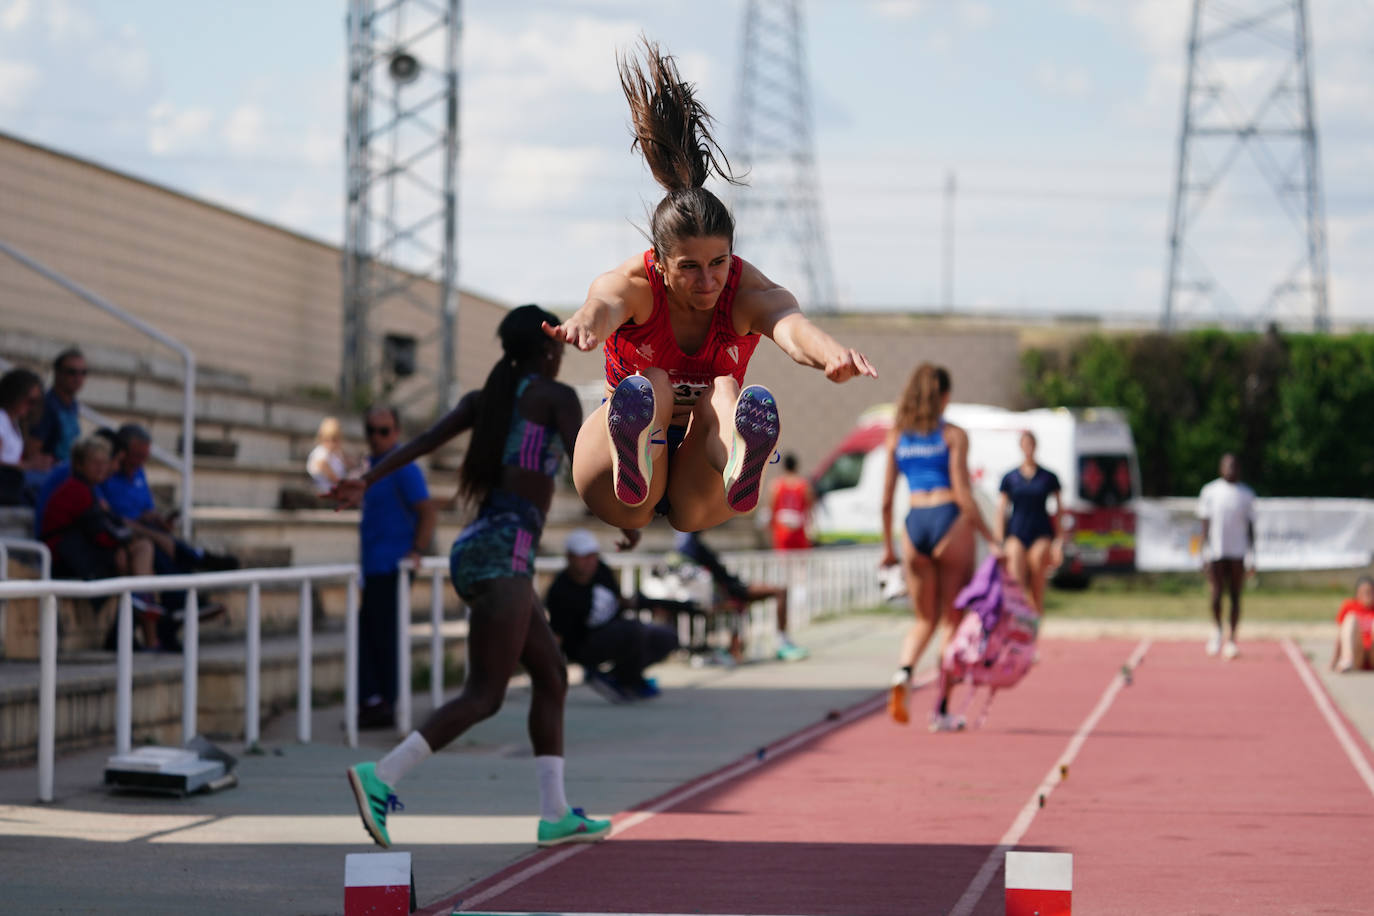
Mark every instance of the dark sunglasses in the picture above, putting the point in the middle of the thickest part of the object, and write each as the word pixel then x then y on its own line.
pixel 377 430
pixel 66 371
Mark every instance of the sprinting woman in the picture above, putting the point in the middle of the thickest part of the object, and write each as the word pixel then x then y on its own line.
pixel 938 550
pixel 1031 538
pixel 679 323
pixel 522 421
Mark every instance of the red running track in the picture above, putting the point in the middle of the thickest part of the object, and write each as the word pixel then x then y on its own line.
pixel 1203 787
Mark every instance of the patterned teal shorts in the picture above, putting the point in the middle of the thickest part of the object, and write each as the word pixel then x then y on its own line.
pixel 500 543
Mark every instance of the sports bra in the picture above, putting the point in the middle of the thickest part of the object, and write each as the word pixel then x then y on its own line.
pixel 633 348
pixel 924 459
pixel 530 445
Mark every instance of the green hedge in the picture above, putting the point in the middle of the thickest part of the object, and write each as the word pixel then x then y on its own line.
pixel 1297 409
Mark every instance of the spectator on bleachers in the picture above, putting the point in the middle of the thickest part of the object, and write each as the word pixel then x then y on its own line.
pixel 328 463
pixel 586 612
pixel 60 424
pixel 22 464
pixel 89 540
pixel 397 522
pixel 62 470
pixel 691 546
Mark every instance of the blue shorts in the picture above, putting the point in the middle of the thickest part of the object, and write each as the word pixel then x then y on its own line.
pixel 498 544
pixel 675 436
pixel 1028 527
pixel 927 526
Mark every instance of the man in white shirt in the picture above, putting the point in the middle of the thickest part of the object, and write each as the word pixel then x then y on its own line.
pixel 1227 509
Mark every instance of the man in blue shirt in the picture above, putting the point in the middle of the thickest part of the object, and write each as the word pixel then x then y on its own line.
pixel 60 424
pixel 397 523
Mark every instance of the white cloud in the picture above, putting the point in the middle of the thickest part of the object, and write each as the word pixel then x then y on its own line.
pixel 124 59
pixel 16 15
pixel 171 130
pixel 975 14
pixel 1063 81
pixel 67 22
pixel 897 9
pixel 535 176
pixel 244 129
pixel 17 80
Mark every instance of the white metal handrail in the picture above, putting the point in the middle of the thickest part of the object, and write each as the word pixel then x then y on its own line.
pixel 832 580
pixel 188 384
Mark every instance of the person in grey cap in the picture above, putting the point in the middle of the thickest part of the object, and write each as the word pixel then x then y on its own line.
pixel 586 612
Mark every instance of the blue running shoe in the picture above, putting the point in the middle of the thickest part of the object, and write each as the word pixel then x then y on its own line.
pixel 646 689
pixel 574 827
pixel 629 422
pixel 756 433
pixel 375 799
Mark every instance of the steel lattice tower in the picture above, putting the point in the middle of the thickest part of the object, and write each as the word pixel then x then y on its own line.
pixel 779 212
pixel 1248 88
pixel 401 212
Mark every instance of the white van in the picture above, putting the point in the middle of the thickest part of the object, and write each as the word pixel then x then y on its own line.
pixel 1090 449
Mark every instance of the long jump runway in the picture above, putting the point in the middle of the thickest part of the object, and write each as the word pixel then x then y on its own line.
pixel 1190 786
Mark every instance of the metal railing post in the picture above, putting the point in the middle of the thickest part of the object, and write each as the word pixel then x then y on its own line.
pixel 305 658
pixel 190 666
pixel 47 695
pixel 124 675
pixel 252 665
pixel 351 663
pixel 402 708
pixel 436 639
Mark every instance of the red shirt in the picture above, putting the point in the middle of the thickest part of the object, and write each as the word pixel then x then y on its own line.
pixel 1364 615
pixel 71 500
pixel 791 501
pixel 633 348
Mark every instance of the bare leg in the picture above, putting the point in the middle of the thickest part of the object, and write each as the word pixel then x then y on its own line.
pixel 1235 580
pixel 954 557
pixel 592 474
pixel 1038 570
pixel 1018 561
pixel 696 491
pixel 549 678
pixel 776 592
pixel 922 586
pixel 498 627
pixel 1215 576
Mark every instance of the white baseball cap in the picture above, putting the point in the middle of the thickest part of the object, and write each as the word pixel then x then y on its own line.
pixel 581 543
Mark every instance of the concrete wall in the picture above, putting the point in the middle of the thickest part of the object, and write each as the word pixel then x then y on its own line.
pixel 248 298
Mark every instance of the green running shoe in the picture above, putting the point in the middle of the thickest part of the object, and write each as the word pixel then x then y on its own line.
pixel 375 799
pixel 789 652
pixel 575 827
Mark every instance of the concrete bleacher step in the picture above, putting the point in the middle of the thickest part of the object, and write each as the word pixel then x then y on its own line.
pixel 86 691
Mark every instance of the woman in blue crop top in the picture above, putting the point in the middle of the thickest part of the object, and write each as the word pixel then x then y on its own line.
pixel 522 423
pixel 938 550
pixel 1031 536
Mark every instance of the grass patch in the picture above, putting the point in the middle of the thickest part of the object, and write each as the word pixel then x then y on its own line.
pixel 1176 599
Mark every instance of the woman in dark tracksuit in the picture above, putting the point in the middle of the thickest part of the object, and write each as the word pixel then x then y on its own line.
pixel 938 550
pixel 1031 537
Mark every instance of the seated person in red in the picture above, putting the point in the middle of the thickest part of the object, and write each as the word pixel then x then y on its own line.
pixel 585 610
pixel 1355 642
pixel 87 540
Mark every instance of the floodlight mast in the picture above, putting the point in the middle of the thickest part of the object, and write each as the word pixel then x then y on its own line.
pixel 401 203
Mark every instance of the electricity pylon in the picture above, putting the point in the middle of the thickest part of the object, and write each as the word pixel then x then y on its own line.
pixel 778 214
pixel 1248 88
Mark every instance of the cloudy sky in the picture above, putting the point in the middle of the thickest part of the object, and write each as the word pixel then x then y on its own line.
pixel 1058 120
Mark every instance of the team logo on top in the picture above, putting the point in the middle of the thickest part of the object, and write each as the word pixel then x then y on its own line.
pixel 732 351
pixel 646 352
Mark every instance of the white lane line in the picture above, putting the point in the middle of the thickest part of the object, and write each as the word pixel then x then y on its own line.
pixel 1328 711
pixel 810 733
pixel 1018 828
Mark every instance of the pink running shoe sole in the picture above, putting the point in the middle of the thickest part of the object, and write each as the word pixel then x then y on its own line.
pixel 629 421
pixel 756 434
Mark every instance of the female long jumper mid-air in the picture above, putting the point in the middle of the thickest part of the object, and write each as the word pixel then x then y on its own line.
pixel 679 323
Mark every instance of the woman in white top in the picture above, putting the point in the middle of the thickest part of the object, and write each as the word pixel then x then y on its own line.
pixel 327 463
pixel 22 465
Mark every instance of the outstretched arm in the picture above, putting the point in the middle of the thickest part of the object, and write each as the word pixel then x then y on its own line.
pixel 889 484
pixel 349 493
pixel 609 304
pixel 775 314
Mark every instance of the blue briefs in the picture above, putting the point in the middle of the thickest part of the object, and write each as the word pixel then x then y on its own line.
pixel 927 526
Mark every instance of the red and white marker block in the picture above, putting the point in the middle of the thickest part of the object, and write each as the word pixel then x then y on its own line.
pixel 377 884
pixel 1039 883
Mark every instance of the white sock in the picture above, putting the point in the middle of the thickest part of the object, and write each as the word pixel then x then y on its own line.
pixel 784 639
pixel 403 758
pixel 553 800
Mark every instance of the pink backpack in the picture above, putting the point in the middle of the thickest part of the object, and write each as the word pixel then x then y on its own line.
pixel 994 658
